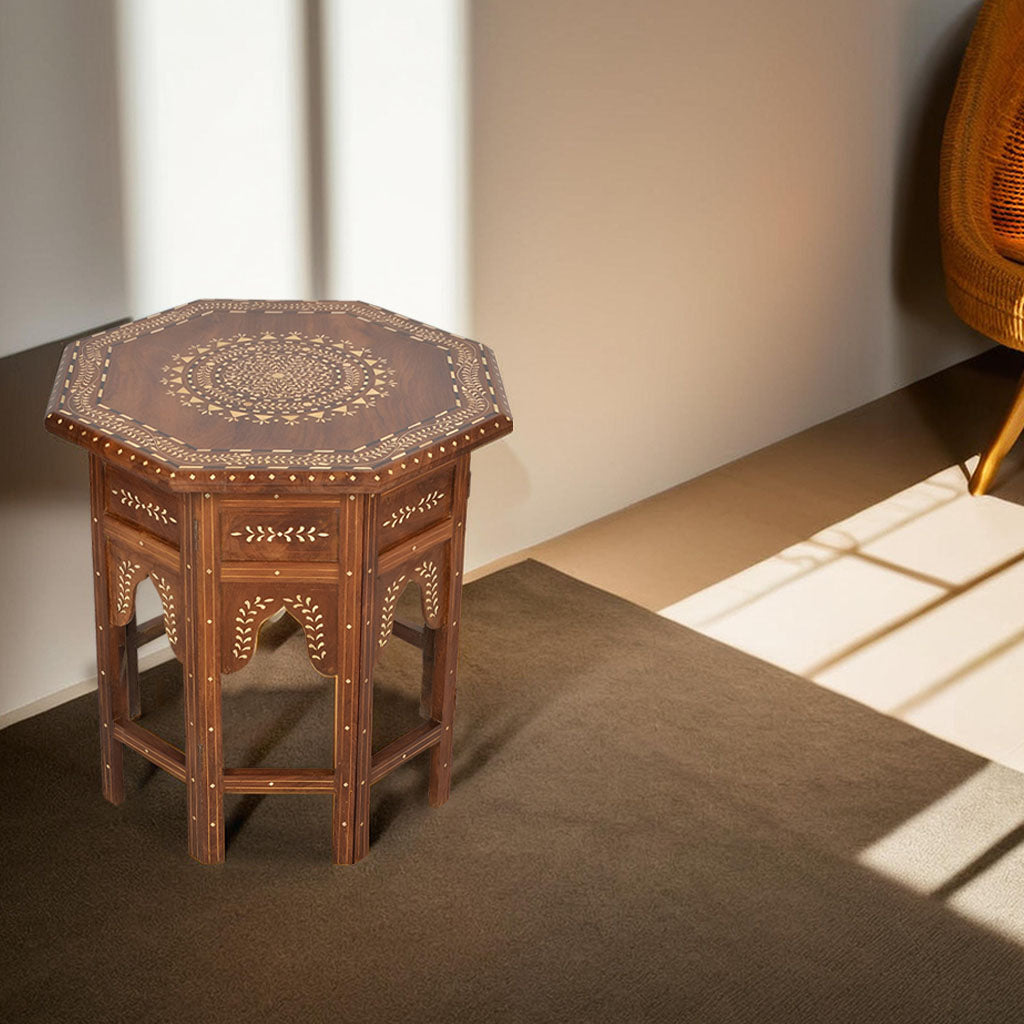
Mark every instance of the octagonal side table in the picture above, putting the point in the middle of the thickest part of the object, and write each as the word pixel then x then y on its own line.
pixel 250 457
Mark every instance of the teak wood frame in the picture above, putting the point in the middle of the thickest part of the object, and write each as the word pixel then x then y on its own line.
pixel 216 594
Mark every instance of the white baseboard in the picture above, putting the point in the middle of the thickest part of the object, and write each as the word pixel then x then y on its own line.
pixel 161 652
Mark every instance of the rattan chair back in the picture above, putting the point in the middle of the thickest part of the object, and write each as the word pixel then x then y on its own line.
pixel 981 190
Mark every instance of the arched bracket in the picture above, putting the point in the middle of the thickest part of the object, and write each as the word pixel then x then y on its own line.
pixel 427 575
pixel 125 575
pixel 244 614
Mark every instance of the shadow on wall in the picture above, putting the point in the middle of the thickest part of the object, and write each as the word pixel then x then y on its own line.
pixel 927 322
pixel 918 281
pixel 44 510
pixel 33 463
pixel 62 264
pixel 63 268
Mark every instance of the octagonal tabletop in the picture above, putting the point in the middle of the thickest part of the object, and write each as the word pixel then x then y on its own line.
pixel 227 393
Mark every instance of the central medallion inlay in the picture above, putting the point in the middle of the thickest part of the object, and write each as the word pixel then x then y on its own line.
pixel 278 378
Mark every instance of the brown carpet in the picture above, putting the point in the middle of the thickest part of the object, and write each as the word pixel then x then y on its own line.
pixel 645 826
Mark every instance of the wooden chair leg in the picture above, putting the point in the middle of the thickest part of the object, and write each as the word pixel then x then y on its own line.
pixel 1004 440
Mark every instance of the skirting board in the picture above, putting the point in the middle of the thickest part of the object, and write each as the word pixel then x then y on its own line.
pixel 161 652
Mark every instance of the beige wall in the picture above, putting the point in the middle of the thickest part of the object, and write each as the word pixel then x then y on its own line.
pixel 696 228
pixel 62 270
pixel 62 262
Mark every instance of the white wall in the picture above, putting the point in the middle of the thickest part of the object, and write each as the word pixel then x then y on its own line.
pixel 214 150
pixel 696 229
pixel 395 95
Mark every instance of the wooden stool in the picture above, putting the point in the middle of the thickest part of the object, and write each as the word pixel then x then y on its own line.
pixel 254 456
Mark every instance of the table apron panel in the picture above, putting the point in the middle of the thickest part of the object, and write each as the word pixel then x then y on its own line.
pixel 142 542
pixel 129 498
pixel 279 572
pixel 412 547
pixel 246 606
pixel 306 533
pixel 410 508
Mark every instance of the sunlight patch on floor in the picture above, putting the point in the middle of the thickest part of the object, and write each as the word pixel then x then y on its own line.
pixel 966 849
pixel 912 606
pixel 915 607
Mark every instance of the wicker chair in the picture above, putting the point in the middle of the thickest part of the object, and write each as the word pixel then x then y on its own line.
pixel 981 198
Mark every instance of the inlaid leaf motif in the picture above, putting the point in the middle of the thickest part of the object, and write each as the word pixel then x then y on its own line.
pixel 429 578
pixel 245 622
pixel 269 534
pixel 312 620
pixel 387 613
pixel 149 508
pixel 163 588
pixel 127 571
pixel 406 512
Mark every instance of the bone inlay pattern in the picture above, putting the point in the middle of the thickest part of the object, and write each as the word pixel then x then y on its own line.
pixel 127 572
pixel 428 577
pixel 245 625
pixel 213 380
pixel 307 612
pixel 149 508
pixel 258 460
pixel 268 534
pixel 282 377
pixel 312 620
pixel 406 512
pixel 163 588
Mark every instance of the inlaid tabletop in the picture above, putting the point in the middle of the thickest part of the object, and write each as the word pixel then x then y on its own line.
pixel 228 393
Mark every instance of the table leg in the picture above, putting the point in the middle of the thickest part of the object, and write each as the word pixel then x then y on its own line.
pixel 131 667
pixel 348 781
pixel 113 700
pixel 362 722
pixel 427 683
pixel 113 703
pixel 204 759
pixel 444 648
pixel 442 709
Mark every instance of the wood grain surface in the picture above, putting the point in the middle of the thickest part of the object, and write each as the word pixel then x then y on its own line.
pixel 326 453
